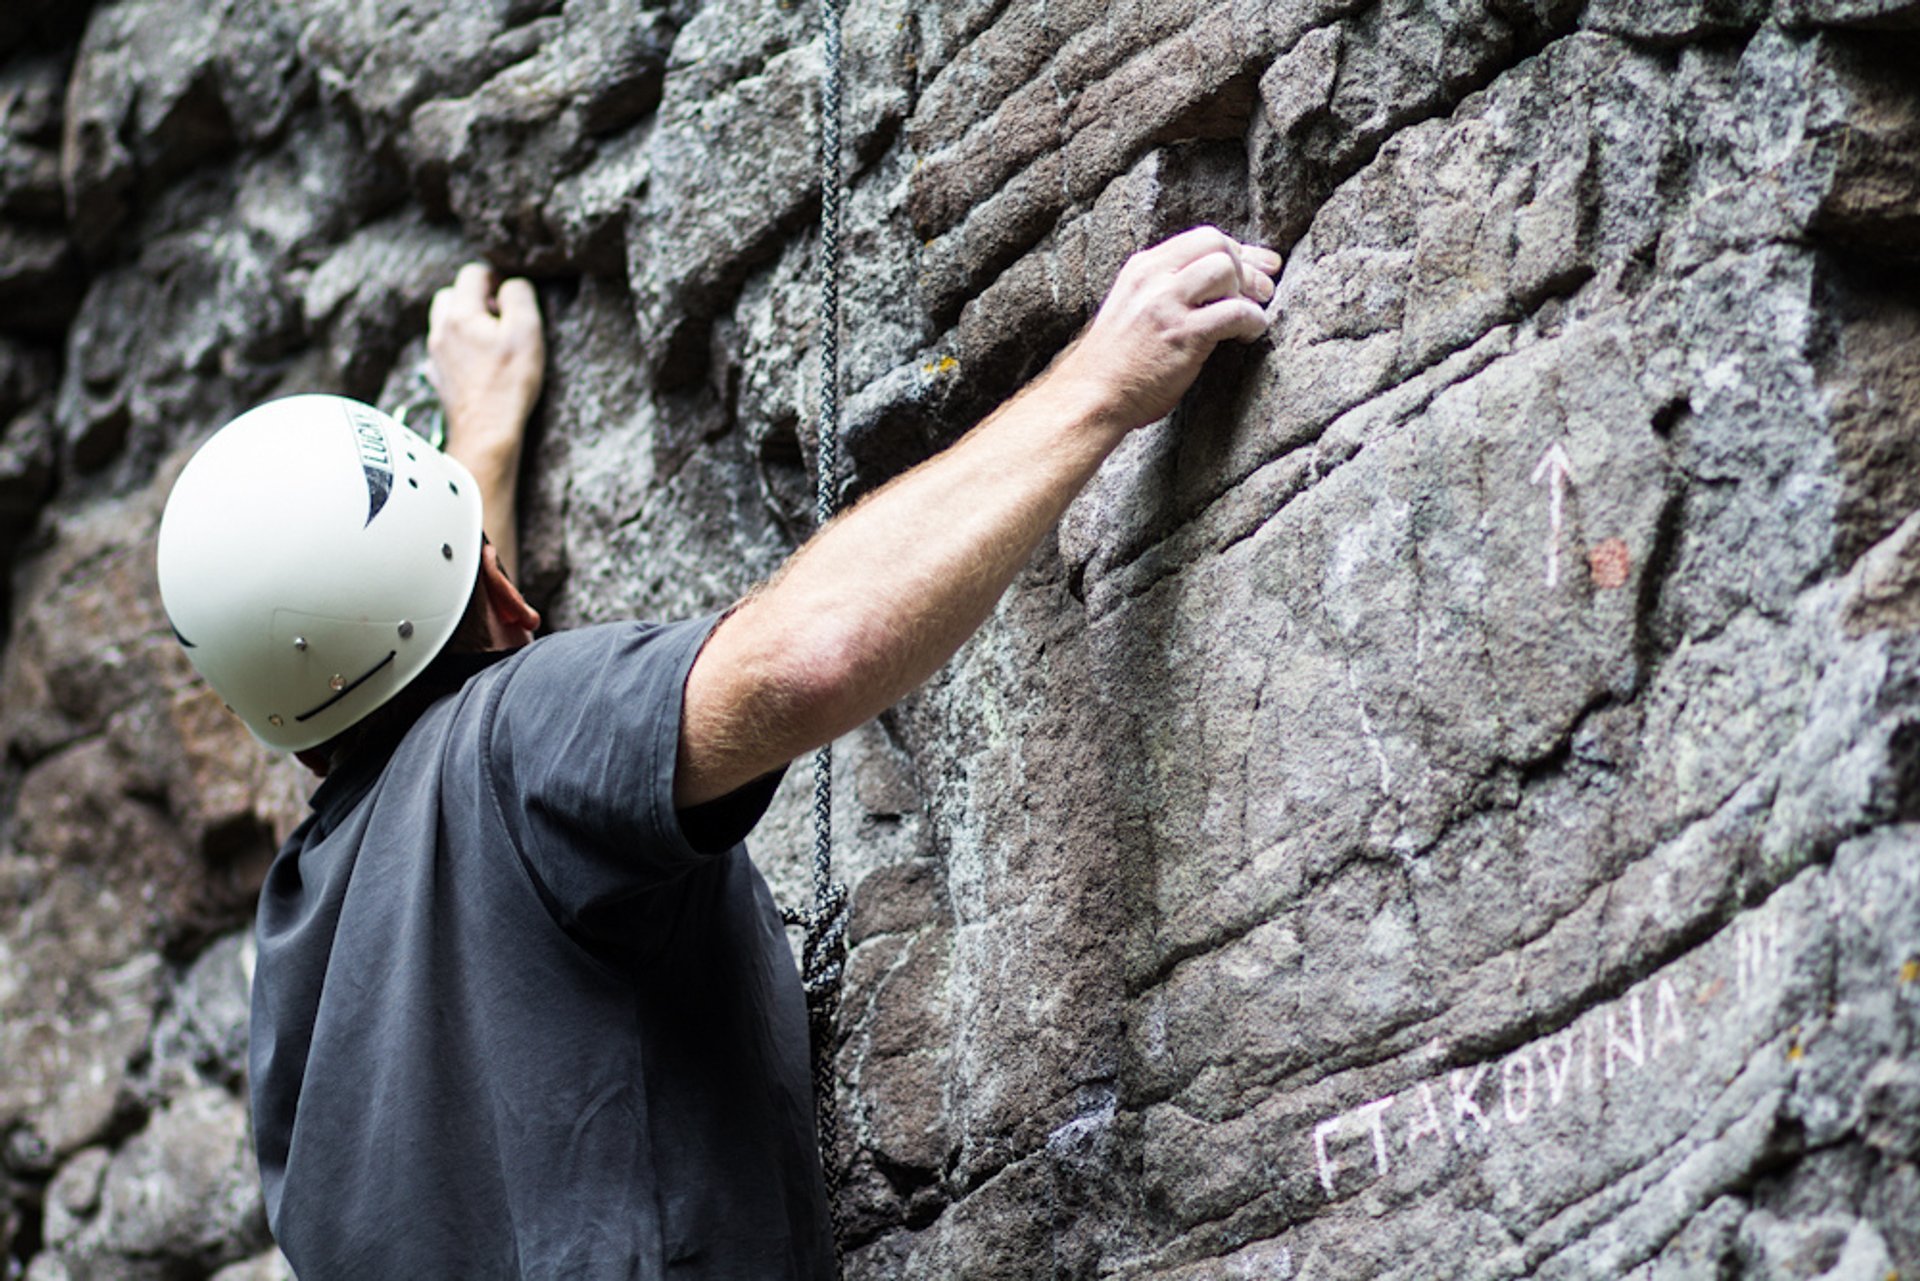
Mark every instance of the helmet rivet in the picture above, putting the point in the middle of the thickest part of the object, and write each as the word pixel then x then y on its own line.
pixel 446 550
pixel 300 643
pixel 406 631
pixel 338 683
pixel 275 719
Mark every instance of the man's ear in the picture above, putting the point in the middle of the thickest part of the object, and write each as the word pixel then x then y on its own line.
pixel 511 622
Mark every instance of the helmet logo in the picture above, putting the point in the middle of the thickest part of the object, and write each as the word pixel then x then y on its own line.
pixel 370 438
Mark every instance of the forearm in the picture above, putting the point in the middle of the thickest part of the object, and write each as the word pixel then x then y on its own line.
pixel 497 472
pixel 886 594
pixel 897 585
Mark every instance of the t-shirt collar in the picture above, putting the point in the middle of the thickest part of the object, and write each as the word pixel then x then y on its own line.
pixel 342 789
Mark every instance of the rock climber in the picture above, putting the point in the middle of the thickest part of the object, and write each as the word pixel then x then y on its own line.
pixel 522 1005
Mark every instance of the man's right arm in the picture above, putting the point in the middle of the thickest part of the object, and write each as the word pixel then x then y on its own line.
pixel 877 601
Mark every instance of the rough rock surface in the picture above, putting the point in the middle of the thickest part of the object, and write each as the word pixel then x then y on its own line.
pixel 1445 804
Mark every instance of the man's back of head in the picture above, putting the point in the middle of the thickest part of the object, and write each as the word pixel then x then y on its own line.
pixel 314 558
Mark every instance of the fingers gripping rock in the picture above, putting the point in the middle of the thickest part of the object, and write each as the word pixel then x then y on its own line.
pixel 1169 307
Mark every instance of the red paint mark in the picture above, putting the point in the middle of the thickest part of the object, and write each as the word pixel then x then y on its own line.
pixel 1610 563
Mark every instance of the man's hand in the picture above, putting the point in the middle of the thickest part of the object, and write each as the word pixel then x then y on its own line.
pixel 1169 308
pixel 884 595
pixel 487 361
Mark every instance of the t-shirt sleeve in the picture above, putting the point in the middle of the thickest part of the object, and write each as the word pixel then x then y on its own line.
pixel 581 747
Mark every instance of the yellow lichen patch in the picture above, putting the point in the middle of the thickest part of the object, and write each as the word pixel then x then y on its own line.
pixel 944 365
pixel 1910 972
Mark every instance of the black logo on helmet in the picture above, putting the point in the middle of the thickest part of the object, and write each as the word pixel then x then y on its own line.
pixel 370 438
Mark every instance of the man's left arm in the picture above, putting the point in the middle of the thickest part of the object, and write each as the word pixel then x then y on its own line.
pixel 488 360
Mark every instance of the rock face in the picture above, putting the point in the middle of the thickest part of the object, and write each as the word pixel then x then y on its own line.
pixel 1444 805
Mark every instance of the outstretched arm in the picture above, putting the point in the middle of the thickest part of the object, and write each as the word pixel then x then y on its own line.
pixel 487 361
pixel 885 594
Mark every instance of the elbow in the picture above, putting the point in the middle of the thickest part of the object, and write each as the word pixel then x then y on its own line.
pixel 778 682
pixel 765 691
pixel 833 675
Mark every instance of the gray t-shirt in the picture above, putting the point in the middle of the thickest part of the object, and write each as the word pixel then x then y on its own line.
pixel 515 1016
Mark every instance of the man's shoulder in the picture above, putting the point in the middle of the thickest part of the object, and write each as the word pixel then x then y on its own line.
pixel 613 641
pixel 603 634
pixel 591 683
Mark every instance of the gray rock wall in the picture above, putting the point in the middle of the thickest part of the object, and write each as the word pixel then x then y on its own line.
pixel 1445 805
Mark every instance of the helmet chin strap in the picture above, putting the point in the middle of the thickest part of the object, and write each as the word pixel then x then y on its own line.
pixel 316 760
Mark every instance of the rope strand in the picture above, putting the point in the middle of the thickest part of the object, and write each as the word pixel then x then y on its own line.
pixel 823 956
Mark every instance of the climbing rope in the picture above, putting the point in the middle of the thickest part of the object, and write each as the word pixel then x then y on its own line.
pixel 823 955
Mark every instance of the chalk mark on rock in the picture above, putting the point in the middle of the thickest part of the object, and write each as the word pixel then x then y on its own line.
pixel 1557 470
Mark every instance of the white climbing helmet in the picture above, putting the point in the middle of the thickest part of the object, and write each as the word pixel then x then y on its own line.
pixel 314 556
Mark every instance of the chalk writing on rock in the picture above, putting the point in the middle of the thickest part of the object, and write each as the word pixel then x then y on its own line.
pixel 1626 1043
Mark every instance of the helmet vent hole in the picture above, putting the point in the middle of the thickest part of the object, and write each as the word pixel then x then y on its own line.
pixel 446 550
pixel 412 483
pixel 453 488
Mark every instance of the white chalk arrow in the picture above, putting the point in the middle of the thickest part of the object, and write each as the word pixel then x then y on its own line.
pixel 1556 469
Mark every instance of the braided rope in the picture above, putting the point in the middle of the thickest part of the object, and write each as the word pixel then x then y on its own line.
pixel 823 955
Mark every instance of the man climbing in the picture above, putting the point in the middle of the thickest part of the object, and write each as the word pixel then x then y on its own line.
pixel 522 1006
